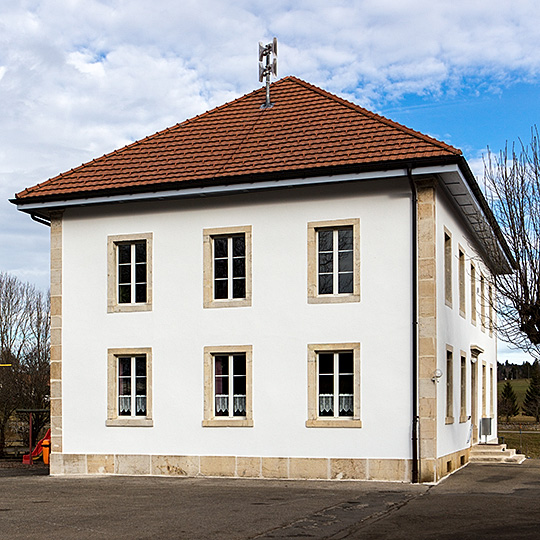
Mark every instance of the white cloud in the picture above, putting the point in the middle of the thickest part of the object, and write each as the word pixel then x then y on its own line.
pixel 86 63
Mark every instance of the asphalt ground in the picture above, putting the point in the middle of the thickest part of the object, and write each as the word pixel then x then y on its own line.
pixel 499 501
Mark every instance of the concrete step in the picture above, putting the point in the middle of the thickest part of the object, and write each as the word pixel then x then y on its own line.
pixel 494 453
pixel 517 458
pixel 500 455
pixel 489 449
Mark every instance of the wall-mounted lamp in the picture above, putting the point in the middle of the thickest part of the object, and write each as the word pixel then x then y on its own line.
pixel 437 374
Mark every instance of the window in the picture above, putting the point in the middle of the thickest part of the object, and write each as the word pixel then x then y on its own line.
pixel 227 267
pixel 461 282
pixel 129 273
pixel 491 392
pixel 334 261
pixel 334 385
pixel 449 386
pixel 228 386
pixel 484 389
pixel 132 385
pixel 483 302
pixel 448 268
pixel 473 294
pixel 490 301
pixel 463 387
pixel 129 394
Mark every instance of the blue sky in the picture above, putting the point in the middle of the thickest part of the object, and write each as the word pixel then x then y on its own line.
pixel 472 121
pixel 81 78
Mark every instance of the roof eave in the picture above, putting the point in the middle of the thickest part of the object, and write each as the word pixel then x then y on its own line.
pixel 311 172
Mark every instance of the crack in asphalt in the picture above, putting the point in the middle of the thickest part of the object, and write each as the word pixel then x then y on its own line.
pixel 377 516
pixel 340 520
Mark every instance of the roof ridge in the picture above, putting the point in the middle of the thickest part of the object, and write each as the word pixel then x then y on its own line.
pixel 373 115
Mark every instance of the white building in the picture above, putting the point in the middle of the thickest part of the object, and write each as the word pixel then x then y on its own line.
pixel 300 291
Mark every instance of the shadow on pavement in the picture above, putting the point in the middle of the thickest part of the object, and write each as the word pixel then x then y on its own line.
pixel 16 468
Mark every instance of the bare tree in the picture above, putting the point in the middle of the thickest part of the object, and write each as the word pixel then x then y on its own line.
pixel 35 371
pixel 24 347
pixel 13 340
pixel 513 188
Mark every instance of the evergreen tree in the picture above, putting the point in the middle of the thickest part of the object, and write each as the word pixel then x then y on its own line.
pixel 507 405
pixel 531 403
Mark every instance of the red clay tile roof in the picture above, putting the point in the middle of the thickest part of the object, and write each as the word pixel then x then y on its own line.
pixel 308 131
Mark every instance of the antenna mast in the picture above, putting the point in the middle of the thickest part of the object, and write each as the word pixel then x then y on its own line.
pixel 269 67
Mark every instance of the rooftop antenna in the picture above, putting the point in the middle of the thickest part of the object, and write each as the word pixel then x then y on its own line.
pixel 269 67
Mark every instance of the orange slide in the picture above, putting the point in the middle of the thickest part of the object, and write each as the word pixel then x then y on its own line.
pixel 38 450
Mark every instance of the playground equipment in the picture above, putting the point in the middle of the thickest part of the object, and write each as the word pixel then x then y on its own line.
pixel 38 450
pixel 41 449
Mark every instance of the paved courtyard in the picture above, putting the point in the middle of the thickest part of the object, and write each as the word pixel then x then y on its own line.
pixel 479 501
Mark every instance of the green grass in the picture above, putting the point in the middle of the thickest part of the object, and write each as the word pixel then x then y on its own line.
pixel 527 443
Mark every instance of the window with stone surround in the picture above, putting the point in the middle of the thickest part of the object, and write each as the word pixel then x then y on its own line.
pixel 334 385
pixel 334 261
pixel 473 294
pixel 228 386
pixel 492 391
pixel 484 389
pixel 490 300
pixel 461 268
pixel 227 267
pixel 129 387
pixel 449 385
pixel 463 388
pixel 447 268
pixel 483 303
pixel 129 261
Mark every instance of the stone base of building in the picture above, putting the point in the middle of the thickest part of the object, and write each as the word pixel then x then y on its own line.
pixel 394 470
pixel 434 469
pixel 288 468
pixel 452 462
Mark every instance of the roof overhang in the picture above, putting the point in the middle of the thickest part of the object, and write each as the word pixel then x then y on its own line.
pixel 465 194
pixel 460 190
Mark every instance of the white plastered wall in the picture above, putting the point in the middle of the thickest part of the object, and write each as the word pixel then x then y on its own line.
pixel 460 333
pixel 279 324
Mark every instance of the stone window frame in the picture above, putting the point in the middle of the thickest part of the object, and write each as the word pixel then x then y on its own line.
pixel 314 420
pixel 312 293
pixel 462 284
pixel 483 324
pixel 113 419
pixel 113 306
pixel 491 311
pixel 447 235
pixel 484 388
pixel 492 390
pixel 474 309
pixel 449 418
pixel 210 419
pixel 463 383
pixel 208 267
